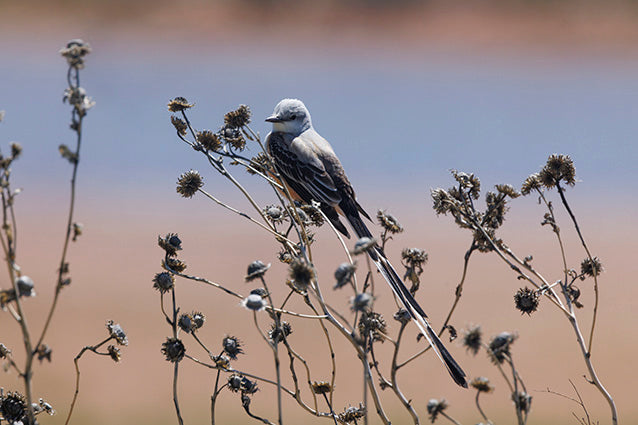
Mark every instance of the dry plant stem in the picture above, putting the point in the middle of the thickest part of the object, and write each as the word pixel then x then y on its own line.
pixel 393 376
pixel 213 398
pixel 26 337
pixel 332 412
pixel 241 297
pixel 519 413
pixel 569 312
pixel 176 366
pixel 69 224
pixel 449 418
pixel 275 350
pixel 246 216
pixel 76 360
pixel 478 406
pixel 360 354
pixel 277 369
pixel 589 256
pixel 292 355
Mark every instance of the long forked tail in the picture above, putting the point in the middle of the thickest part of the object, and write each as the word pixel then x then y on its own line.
pixel 407 300
pixel 418 317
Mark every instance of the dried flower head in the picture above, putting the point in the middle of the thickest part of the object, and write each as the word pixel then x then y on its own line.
pixel 13 407
pixel 209 140
pixel 590 267
pixel 179 104
pixel 180 125
pixel 232 346
pixel 275 214
pixel 472 337
pixel 402 316
pixel 4 351
pixel 234 382
pixel 74 52
pixel 16 150
pixel 352 414
pixel 163 282
pixel 256 269
pixel 468 182
pixel 238 118
pixel 557 168
pixel 277 334
pixel 44 352
pixel 314 215
pixel 116 332
pixel 361 302
pixel 114 353
pixel 172 264
pixel 414 256
pixel 344 274
pixel 189 183
pixel 185 322
pixel 499 346
pixel 78 229
pixel 526 300
pixel 173 349
pixel 222 361
pixel 484 243
pixel 482 384
pixel 321 387
pixel 68 154
pixel 43 406
pixel 171 243
pixel 259 291
pixel 372 325
pixel 234 137
pixel 254 302
pixel 496 209
pixel 25 286
pixel 530 184
pixel 435 407
pixel 442 202
pixel 364 244
pixel 259 162
pixel 285 257
pixel 198 319
pixel 522 401
pixel 507 190
pixel 248 386
pixel 301 272
pixel 389 222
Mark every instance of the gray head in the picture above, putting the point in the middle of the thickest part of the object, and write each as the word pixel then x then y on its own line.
pixel 290 116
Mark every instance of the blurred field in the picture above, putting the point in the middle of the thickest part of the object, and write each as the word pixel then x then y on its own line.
pixel 405 92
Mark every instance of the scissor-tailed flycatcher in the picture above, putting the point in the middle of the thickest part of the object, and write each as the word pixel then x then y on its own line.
pixel 311 170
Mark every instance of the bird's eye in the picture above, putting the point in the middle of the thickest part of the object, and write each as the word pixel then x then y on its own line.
pixel 293 117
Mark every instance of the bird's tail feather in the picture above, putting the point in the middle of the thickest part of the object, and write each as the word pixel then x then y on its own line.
pixel 407 300
pixel 419 318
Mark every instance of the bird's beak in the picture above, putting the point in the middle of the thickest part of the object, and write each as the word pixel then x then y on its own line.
pixel 273 118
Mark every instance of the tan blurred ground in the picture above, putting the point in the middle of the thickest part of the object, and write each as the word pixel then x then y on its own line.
pixel 113 263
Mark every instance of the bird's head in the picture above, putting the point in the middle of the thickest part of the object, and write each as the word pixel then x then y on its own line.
pixel 290 116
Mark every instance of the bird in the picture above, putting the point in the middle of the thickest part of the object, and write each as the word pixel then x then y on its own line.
pixel 308 165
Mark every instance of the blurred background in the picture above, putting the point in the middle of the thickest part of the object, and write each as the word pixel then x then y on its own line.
pixel 405 91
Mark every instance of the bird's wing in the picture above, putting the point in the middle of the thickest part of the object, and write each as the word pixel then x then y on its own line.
pixel 298 162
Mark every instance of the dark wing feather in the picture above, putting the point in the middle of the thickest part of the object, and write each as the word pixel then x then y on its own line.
pixel 312 176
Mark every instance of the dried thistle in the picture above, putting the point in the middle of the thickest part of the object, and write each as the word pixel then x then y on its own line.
pixel 557 168
pixel 13 407
pixel 179 104
pixel 163 282
pixel 189 183
pixel 435 407
pixel 321 387
pixel 389 222
pixel 277 334
pixel 209 140
pixel 482 384
pixel 344 274
pixel 530 184
pixel 372 325
pixel 114 353
pixel 526 300
pixel 361 302
pixel 254 302
pixel 74 52
pixel 173 264
pixel 301 273
pixel 364 244
pixel 591 267
pixel 499 346
pixel 472 338
pixel 117 333
pixel 180 125
pixel 232 346
pixel 170 243
pixel 256 270
pixel 352 414
pixel 173 349
pixel 238 118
